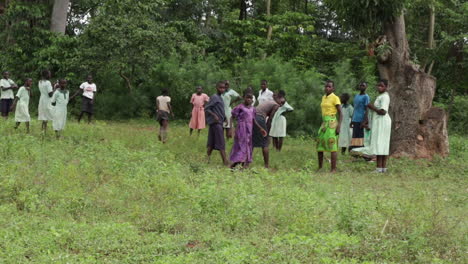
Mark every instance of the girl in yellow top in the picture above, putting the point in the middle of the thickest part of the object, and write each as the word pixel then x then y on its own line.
pixel 327 140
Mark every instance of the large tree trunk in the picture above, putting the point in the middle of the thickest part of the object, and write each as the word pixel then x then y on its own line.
pixel 268 14
pixel 419 130
pixel 59 16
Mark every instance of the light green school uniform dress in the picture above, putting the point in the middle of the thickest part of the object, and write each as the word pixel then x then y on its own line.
pixel 381 127
pixel 278 123
pixel 45 108
pixel 60 98
pixel 346 133
pixel 227 98
pixel 22 106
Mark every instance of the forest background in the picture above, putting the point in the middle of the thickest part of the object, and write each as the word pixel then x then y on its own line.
pixel 137 48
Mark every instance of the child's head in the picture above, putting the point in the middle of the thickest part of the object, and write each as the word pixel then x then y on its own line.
pixel 199 89
pixel 221 87
pixel 249 89
pixel 164 92
pixel 344 98
pixel 28 82
pixel 382 85
pixel 248 97
pixel 362 87
pixel 226 85
pixel 6 74
pixel 89 78
pixel 45 74
pixel 264 84
pixel 62 84
pixel 279 97
pixel 329 87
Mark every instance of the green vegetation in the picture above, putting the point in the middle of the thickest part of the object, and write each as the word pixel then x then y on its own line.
pixel 110 193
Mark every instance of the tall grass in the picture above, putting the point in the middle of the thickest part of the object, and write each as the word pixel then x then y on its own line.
pixel 110 193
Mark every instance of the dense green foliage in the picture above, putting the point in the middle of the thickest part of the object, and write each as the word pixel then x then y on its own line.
pixel 111 193
pixel 135 49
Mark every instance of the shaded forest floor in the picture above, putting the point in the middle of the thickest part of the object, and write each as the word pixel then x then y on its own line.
pixel 110 193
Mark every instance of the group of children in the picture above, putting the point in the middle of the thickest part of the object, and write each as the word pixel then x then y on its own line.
pixel 53 100
pixel 364 129
pixel 257 120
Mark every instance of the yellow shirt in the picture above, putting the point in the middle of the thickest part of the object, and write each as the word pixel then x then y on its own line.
pixel 329 104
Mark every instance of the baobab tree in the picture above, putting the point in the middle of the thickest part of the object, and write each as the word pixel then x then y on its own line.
pixel 418 129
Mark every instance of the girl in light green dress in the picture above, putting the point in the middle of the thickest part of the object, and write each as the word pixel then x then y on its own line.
pixel 45 108
pixel 347 110
pixel 279 122
pixel 60 101
pixel 21 104
pixel 381 127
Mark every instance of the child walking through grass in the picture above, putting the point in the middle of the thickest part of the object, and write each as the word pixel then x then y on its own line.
pixel 344 140
pixel 60 100
pixel 21 104
pixel 215 116
pixel 7 95
pixel 164 109
pixel 242 149
pixel 198 100
pixel 45 110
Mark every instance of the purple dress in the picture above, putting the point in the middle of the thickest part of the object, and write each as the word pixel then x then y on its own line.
pixel 242 148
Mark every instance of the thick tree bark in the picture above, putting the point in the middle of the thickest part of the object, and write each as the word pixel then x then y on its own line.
pixel 418 129
pixel 270 29
pixel 59 16
pixel 243 10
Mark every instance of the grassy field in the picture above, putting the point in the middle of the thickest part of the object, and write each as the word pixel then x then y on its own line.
pixel 110 193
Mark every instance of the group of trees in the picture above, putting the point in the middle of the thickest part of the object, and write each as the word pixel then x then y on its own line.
pixel 136 48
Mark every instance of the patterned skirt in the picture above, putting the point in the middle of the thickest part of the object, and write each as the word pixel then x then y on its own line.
pixel 327 140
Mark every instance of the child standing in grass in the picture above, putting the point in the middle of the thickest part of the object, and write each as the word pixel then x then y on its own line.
pixel 60 100
pixel 6 94
pixel 229 97
pixel 45 108
pixel 330 129
pixel 245 115
pixel 164 109
pixel 198 100
pixel 279 123
pixel 215 116
pixel 360 101
pixel 21 104
pixel 344 140
pixel 381 126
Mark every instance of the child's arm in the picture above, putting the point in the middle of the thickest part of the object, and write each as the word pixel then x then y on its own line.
pixel 170 109
pixel 338 108
pixel 263 131
pixel 270 117
pixel 13 106
pixel 375 109
pixel 214 115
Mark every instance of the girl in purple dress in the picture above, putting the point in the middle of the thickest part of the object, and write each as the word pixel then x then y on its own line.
pixel 242 149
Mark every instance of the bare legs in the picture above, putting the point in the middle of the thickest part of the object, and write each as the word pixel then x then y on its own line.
pixel 266 157
pixel 90 117
pixel 26 124
pixel 209 150
pixel 191 131
pixel 381 163
pixel 163 131
pixel 334 156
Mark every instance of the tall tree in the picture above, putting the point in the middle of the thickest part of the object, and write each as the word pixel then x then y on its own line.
pixel 418 129
pixel 58 21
